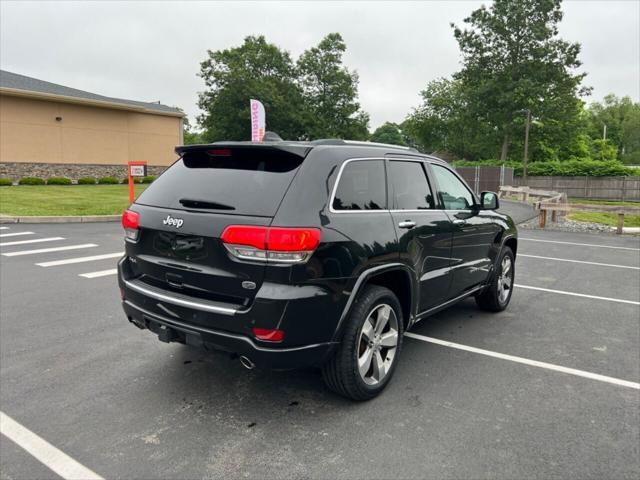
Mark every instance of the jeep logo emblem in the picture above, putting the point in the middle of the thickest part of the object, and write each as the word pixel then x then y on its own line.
pixel 173 222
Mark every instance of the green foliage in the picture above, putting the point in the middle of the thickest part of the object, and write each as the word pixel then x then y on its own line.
pixel 5 182
pixel 31 181
pixel 388 133
pixel 256 69
pixel 148 179
pixel 58 181
pixel 622 119
pixel 568 168
pixel 603 150
pixel 330 92
pixel 107 181
pixel 513 61
pixel 87 181
pixel 315 97
pixel 189 136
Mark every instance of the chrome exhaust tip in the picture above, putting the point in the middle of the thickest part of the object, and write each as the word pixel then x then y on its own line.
pixel 246 363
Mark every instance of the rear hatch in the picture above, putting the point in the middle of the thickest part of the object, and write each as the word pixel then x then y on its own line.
pixel 183 214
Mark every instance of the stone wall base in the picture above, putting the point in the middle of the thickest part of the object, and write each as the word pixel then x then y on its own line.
pixel 74 171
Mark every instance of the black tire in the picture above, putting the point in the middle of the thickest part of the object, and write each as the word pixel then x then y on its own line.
pixel 341 373
pixel 490 299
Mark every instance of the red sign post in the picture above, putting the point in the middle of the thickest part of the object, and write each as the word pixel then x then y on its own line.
pixel 136 168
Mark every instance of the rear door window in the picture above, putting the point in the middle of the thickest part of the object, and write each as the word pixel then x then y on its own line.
pixel 409 186
pixel 361 186
pixel 235 181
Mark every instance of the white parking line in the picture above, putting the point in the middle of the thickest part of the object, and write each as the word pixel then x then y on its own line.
pixel 579 261
pixel 54 459
pixel 580 244
pixel 526 361
pixel 25 242
pixel 15 234
pixel 47 250
pixel 101 273
pixel 562 292
pixel 4 228
pixel 69 261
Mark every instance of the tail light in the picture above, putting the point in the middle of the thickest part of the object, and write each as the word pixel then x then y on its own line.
pixel 271 244
pixel 130 222
pixel 268 335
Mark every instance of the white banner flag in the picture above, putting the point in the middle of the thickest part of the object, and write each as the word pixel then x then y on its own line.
pixel 258 120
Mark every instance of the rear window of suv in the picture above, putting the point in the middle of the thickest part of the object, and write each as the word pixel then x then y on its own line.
pixel 235 181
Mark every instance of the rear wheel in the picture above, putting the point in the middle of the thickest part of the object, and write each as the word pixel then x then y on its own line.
pixel 497 295
pixel 367 356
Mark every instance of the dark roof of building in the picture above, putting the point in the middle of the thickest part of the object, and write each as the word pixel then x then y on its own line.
pixel 16 81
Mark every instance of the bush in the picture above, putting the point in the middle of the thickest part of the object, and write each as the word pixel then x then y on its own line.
pixel 107 181
pixel 31 181
pixel 568 168
pixel 58 181
pixel 148 179
pixel 87 181
pixel 5 182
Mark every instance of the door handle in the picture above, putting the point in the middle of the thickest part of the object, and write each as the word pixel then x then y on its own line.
pixel 407 224
pixel 459 221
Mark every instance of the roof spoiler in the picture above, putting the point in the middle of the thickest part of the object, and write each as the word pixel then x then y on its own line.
pixel 291 148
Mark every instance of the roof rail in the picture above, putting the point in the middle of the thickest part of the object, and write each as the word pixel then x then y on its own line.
pixel 337 141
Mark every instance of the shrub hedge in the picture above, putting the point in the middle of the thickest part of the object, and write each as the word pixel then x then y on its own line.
pixel 31 181
pixel 5 182
pixel 87 181
pixel 107 181
pixel 148 179
pixel 58 181
pixel 567 168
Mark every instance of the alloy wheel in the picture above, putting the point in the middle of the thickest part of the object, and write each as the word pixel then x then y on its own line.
pixel 377 344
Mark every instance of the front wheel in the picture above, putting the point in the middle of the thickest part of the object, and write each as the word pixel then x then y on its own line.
pixel 367 356
pixel 497 295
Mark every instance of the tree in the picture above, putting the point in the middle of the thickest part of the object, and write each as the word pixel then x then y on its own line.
pixel 189 136
pixel 514 60
pixel 388 133
pixel 330 92
pixel 256 69
pixel 443 123
pixel 621 116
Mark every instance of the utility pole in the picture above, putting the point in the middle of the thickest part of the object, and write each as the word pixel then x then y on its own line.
pixel 604 132
pixel 526 146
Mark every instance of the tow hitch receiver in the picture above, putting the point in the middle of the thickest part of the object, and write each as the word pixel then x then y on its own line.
pixel 166 334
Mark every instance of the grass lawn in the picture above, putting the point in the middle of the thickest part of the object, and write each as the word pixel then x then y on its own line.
pixel 30 200
pixel 604 218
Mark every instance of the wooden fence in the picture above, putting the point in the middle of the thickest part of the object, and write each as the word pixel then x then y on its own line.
pixel 482 178
pixel 604 188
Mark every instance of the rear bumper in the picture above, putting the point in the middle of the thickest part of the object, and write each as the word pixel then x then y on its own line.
pixel 208 326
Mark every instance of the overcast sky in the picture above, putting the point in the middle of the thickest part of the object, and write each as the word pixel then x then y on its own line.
pixel 151 50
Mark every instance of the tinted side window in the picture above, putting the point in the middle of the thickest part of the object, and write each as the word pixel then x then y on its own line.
pixel 409 186
pixel 453 193
pixel 361 187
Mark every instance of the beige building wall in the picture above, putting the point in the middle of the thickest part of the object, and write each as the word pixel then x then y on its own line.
pixel 30 133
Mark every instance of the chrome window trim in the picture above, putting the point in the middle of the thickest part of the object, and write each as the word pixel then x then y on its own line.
pixel 337 182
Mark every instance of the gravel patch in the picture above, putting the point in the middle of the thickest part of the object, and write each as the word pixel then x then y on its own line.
pixel 566 225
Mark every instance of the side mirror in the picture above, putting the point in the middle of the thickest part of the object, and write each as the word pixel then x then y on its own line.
pixel 489 201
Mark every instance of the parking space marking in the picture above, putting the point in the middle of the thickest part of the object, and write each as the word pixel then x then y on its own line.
pixel 53 458
pixel 579 261
pixel 101 273
pixel 47 250
pixel 4 228
pixel 68 261
pixel 580 244
pixel 35 240
pixel 526 361
pixel 574 294
pixel 14 234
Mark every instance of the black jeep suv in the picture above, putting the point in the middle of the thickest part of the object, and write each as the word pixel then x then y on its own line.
pixel 322 253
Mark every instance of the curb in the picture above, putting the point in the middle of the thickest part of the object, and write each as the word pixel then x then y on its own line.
pixel 70 219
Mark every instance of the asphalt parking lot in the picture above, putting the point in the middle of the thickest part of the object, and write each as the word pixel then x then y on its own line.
pixel 547 389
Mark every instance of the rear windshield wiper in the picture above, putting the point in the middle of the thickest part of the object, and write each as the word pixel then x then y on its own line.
pixel 190 203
